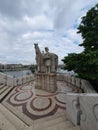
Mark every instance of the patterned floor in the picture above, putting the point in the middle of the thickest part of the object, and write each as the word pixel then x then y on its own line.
pixel 30 104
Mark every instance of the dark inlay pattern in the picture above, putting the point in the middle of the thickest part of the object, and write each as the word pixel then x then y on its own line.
pixel 36 105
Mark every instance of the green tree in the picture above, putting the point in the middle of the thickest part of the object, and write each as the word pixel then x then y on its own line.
pixel 85 64
pixel 89 29
pixel 33 68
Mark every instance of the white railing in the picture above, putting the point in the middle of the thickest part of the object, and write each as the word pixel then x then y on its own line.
pixel 82 109
pixel 11 81
pixel 76 82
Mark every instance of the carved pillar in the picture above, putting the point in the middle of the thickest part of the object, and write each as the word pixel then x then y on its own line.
pixel 46 81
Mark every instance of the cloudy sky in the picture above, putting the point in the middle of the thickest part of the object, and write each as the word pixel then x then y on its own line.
pixel 51 23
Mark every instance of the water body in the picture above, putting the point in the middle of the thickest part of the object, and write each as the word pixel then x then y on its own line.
pixel 61 71
pixel 19 73
pixel 22 73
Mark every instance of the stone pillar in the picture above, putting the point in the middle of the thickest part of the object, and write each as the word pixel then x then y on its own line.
pixel 46 81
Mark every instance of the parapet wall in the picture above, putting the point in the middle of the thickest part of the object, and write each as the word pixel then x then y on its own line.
pixel 76 82
pixel 3 78
pixel 82 109
pixel 11 81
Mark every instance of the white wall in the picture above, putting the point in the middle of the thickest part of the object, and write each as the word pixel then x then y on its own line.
pixel 76 82
pixel 82 109
pixel 10 81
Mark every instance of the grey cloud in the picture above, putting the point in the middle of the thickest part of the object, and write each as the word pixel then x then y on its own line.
pixel 57 15
pixel 17 9
pixel 11 8
pixel 66 12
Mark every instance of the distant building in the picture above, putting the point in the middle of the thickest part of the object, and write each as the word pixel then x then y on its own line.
pixel 10 66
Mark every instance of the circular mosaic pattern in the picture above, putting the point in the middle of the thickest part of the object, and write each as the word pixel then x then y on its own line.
pixel 36 103
pixel 60 97
pixel 23 96
pixel 40 103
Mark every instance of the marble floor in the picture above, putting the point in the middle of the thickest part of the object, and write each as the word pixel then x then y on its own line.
pixel 30 104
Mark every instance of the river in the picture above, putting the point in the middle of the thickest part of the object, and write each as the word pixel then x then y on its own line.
pixel 19 73
pixel 22 73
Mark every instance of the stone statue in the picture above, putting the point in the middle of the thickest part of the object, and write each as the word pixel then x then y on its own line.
pixel 46 62
pixel 47 66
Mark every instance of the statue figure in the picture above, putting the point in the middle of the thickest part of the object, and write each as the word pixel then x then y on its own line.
pixel 39 59
pixel 46 62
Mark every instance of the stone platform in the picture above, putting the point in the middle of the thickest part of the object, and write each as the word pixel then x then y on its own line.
pixel 30 104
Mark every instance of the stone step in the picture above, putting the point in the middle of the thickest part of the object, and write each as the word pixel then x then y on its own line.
pixel 4 92
pixel 51 123
pixel 74 128
pixel 1 83
pixel 48 123
pixel 1 86
pixel 59 126
pixel 8 121
pixel 19 124
pixel 61 113
pixel 5 124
